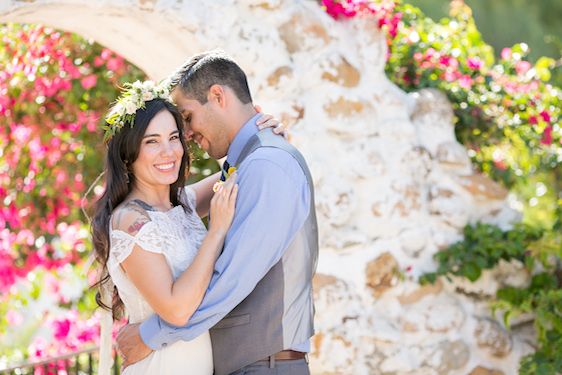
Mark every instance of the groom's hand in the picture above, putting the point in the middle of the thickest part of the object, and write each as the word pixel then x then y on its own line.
pixel 130 345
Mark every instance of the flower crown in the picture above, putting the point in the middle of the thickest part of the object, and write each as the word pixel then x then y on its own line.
pixel 134 97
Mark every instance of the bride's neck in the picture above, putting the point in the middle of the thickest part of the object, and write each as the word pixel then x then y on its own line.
pixel 157 198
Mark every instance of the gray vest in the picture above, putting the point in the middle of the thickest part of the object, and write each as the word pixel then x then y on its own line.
pixel 278 314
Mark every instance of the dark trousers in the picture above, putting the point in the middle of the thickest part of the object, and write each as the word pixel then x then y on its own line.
pixel 290 367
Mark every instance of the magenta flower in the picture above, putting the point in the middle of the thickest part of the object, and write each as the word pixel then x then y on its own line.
pixel 533 120
pixel 382 11
pixel 38 347
pixel 545 116
pixel 547 136
pixel 445 60
pixel 474 63
pixel 61 329
pixel 7 272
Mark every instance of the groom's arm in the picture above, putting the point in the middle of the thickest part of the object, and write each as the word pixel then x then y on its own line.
pixel 273 203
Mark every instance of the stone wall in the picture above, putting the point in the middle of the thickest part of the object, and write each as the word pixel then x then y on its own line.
pixel 393 184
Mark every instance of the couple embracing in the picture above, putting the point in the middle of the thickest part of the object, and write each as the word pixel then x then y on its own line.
pixel 233 299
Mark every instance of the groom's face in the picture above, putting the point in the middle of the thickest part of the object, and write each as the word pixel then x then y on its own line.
pixel 202 124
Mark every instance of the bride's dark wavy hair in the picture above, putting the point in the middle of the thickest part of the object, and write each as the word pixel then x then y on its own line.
pixel 122 151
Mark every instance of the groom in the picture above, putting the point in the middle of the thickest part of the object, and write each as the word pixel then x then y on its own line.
pixel 258 306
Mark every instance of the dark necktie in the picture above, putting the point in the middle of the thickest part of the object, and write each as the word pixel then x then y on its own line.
pixel 225 168
pixel 224 175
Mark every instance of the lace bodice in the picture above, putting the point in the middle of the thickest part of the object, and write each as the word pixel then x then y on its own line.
pixel 175 234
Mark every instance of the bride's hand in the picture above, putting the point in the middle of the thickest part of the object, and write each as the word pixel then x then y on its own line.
pixel 223 205
pixel 268 121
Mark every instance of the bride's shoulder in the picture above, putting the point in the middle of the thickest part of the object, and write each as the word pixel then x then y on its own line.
pixel 131 216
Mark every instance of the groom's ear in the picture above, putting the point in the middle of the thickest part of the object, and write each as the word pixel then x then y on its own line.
pixel 217 94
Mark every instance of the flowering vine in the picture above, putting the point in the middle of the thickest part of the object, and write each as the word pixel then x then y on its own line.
pixel 54 88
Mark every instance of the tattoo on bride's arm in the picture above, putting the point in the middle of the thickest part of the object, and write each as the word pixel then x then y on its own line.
pixel 140 220
pixel 137 225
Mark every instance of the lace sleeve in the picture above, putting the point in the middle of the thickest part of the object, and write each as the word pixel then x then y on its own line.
pixel 149 238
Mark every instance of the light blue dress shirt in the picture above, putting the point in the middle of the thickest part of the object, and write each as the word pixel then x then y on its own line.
pixel 272 205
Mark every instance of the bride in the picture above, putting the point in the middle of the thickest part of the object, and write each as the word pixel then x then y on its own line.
pixel 155 254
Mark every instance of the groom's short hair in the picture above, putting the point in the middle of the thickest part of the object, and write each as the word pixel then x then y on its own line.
pixel 204 70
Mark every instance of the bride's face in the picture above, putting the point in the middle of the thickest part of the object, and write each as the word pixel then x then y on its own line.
pixel 160 152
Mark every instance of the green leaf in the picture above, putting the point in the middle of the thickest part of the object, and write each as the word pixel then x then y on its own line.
pixel 428 278
pixel 471 271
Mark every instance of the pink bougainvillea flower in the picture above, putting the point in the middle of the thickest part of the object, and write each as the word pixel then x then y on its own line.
pixel 545 116
pixel 106 54
pixel 21 133
pixel 115 64
pixel 89 81
pixel 7 272
pixel 452 75
pixel 506 54
pixel 547 136
pixel 98 61
pixel 61 329
pixel 37 348
pixel 474 63
pixel 465 81
pixel 522 67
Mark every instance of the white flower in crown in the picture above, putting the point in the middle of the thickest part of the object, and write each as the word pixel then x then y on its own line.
pixel 119 109
pixel 130 107
pixel 147 95
pixel 148 85
pixel 134 97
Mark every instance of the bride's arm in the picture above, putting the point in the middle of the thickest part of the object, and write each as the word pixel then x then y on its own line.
pixel 204 192
pixel 175 301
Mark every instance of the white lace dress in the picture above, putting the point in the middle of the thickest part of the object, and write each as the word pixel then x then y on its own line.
pixel 177 235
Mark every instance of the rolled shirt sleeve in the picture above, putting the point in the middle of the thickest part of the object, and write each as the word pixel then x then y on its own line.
pixel 272 205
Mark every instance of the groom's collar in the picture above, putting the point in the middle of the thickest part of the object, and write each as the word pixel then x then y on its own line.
pixel 241 138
